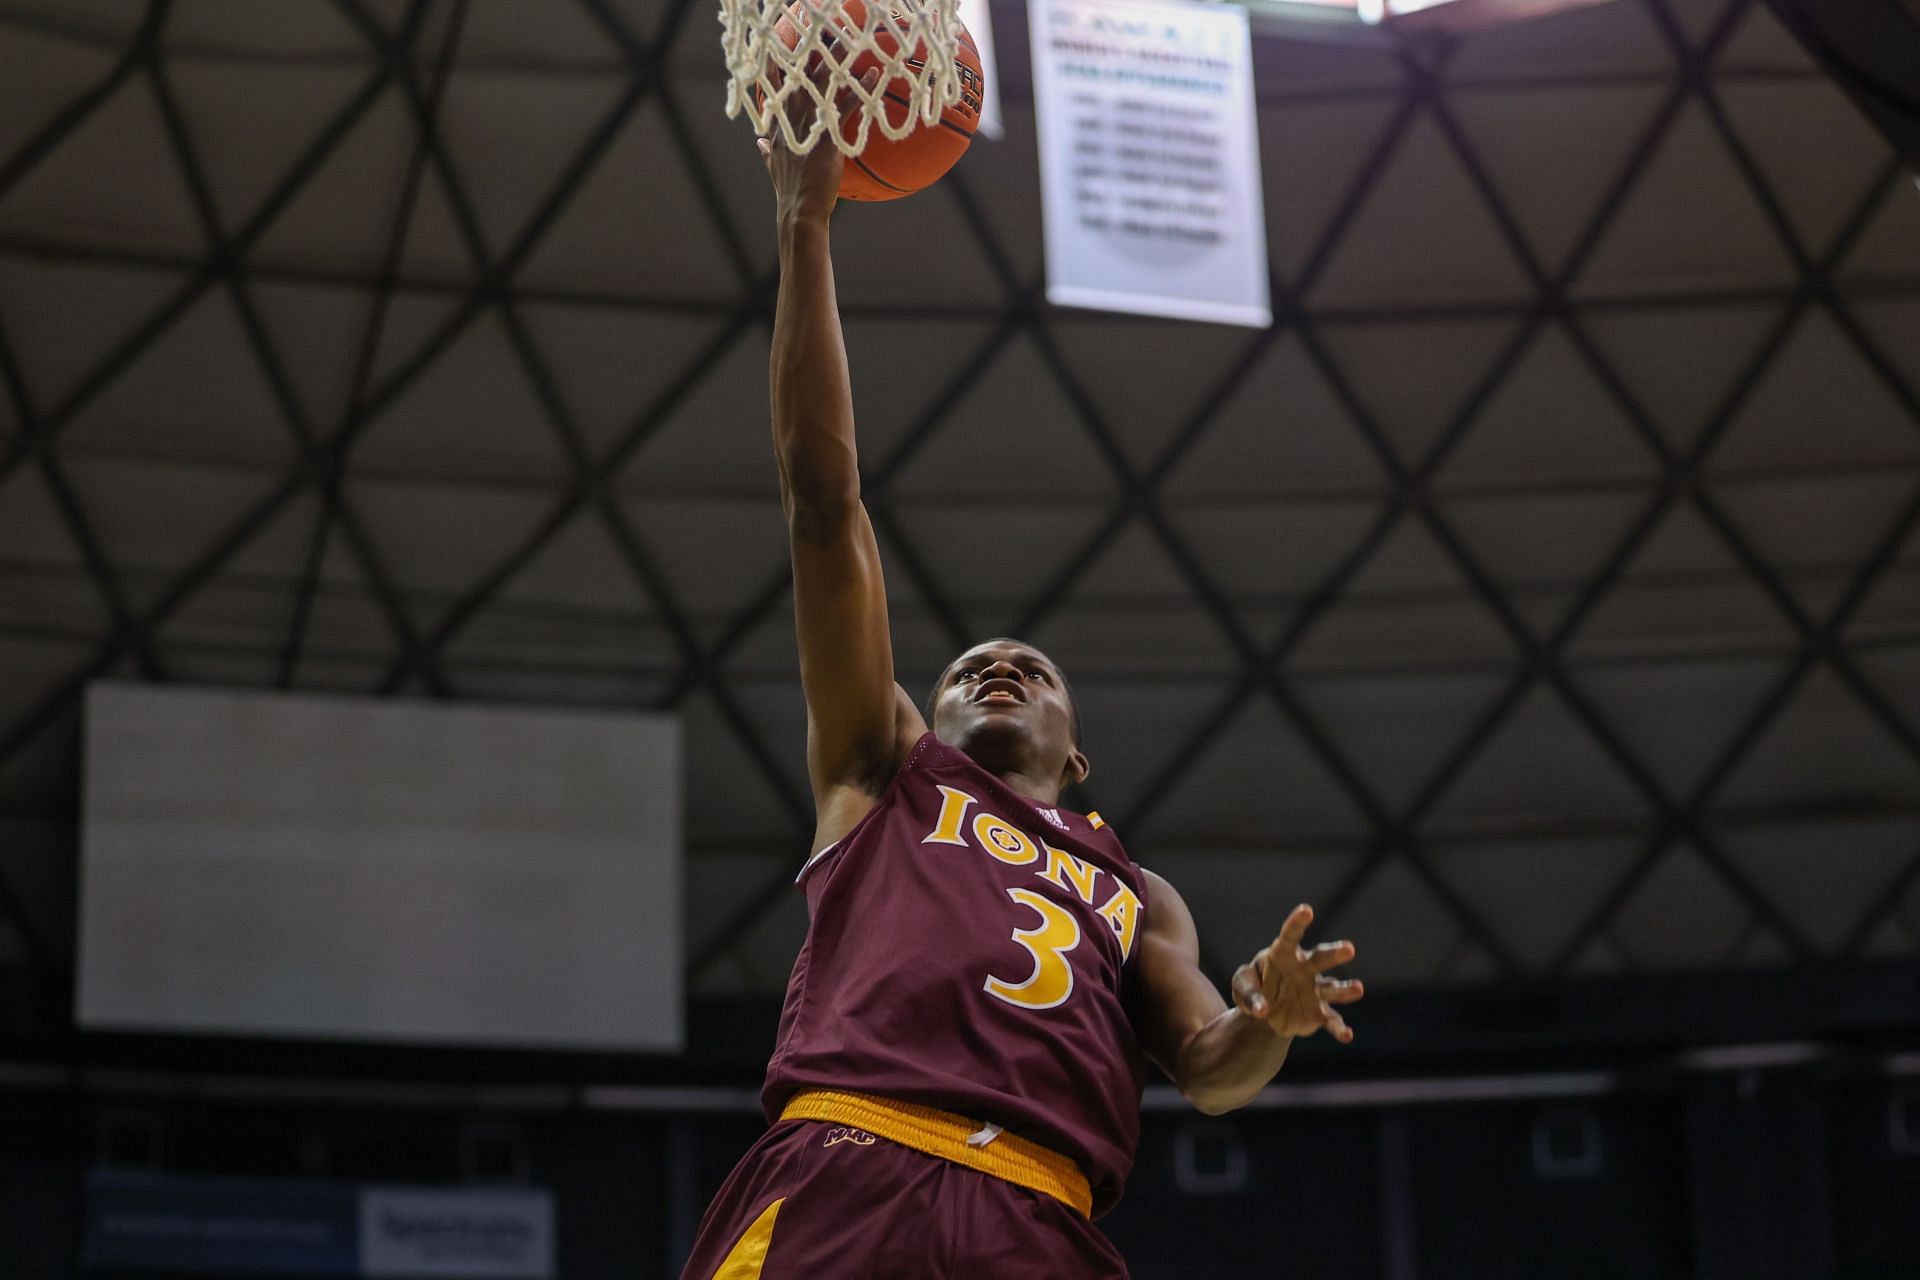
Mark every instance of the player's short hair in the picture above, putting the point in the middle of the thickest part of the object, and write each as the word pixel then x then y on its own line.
pixel 1066 686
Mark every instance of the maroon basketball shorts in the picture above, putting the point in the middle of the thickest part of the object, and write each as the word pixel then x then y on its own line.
pixel 820 1201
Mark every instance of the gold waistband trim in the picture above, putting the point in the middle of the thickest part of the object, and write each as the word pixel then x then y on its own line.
pixel 943 1134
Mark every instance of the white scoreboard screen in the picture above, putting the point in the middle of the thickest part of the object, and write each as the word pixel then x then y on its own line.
pixel 293 866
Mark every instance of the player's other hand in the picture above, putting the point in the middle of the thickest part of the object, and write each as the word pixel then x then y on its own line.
pixel 1287 985
pixel 807 186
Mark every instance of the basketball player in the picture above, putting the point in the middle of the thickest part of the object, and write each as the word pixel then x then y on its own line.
pixel 955 1091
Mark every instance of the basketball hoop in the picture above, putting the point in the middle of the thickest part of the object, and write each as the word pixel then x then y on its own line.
pixel 771 45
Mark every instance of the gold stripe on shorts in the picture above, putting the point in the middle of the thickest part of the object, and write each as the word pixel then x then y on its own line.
pixel 749 1252
pixel 943 1134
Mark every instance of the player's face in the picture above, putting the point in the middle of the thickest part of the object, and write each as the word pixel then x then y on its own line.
pixel 1004 704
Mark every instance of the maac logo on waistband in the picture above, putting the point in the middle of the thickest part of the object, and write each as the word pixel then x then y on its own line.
pixel 1053 816
pixel 846 1133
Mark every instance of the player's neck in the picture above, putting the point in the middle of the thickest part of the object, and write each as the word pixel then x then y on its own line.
pixel 1042 791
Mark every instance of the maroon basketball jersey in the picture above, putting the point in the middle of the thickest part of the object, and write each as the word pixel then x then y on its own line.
pixel 972 951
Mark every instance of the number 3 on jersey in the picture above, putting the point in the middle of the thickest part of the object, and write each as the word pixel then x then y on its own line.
pixel 1051 981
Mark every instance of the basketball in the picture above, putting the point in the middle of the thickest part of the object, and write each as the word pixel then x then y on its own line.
pixel 890 168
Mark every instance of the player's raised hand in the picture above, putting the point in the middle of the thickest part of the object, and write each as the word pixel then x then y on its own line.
pixel 807 186
pixel 1287 985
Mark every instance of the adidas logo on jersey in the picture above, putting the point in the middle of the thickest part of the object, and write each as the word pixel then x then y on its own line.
pixel 1053 816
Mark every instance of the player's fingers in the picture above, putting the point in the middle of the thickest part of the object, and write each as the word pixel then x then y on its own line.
pixel 1247 995
pixel 820 68
pixel 1335 1024
pixel 847 101
pixel 799 109
pixel 765 148
pixel 1328 955
pixel 1295 927
pixel 1340 990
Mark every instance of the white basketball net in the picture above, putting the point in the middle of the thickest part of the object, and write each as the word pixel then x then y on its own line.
pixel 766 75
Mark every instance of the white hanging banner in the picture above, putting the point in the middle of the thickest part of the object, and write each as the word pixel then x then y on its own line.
pixel 1150 158
pixel 978 16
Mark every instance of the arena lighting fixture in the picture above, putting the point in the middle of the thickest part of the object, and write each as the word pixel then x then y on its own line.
pixel 1463 15
pixel 1435 15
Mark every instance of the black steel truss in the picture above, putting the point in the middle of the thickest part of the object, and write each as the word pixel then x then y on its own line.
pixel 1263 667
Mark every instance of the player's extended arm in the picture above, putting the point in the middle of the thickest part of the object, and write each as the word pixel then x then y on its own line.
pixel 1219 1056
pixel 858 721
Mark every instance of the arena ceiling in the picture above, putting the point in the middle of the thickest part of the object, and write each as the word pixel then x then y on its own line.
pixel 1540 596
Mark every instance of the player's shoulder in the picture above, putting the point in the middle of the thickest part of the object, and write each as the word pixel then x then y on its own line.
pixel 1160 893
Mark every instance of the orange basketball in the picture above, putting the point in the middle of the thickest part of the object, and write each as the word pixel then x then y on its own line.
pixel 888 169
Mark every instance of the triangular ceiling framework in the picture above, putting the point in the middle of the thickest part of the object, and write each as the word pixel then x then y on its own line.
pixel 1539 755
pixel 709 552
pixel 1395 903
pixel 1400 730
pixel 1422 234
pixel 320 33
pixel 1682 365
pixel 315 332
pixel 1136 585
pixel 1824 751
pixel 1551 421
pixel 1283 433
pixel 985 446
pixel 1305 544
pixel 1825 877
pixel 1888 250
pixel 547 121
pixel 1407 598
pixel 435 249
pixel 340 218
pixel 439 540
pixel 1409 364
pixel 1127 770
pixel 200 384
pixel 1245 900
pixel 1793 419
pixel 74 186
pixel 1232 785
pixel 1013 555
pixel 1682 916
pixel 1638 700
pixel 1699 21
pixel 611 366
pixel 30 105
pixel 574 599
pixel 473 413
pixel 1321 148
pixel 1503 127
pixel 65 321
pixel 1436 367
pixel 614 235
pixel 1682 574
pixel 245 156
pixel 346 630
pixel 153 519
pixel 1123 370
pixel 1818 154
pixel 696 444
pixel 1546 551
pixel 1539 892
pixel 1817 533
pixel 1688 223
pixel 1760 43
